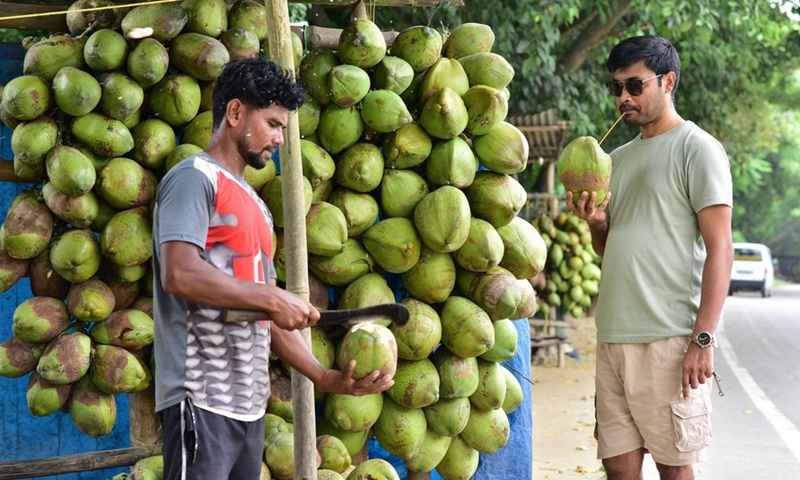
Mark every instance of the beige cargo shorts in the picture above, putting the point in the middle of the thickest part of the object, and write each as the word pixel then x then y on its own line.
pixel 640 403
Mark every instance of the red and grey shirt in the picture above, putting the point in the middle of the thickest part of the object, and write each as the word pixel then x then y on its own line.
pixel 221 367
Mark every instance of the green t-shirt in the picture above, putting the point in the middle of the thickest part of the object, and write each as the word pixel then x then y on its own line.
pixel 654 254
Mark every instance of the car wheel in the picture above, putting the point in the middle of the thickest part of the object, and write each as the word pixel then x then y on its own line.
pixel 764 292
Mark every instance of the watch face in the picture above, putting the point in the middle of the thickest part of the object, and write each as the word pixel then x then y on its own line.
pixel 703 339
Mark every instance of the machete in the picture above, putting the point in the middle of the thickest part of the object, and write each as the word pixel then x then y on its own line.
pixel 396 312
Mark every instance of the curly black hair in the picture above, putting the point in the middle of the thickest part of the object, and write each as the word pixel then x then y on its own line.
pixel 257 82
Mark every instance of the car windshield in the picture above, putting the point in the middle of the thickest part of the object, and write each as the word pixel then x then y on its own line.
pixel 747 255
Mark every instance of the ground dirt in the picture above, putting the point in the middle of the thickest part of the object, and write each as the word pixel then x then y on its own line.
pixel 563 410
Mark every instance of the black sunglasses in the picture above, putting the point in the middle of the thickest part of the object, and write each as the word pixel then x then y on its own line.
pixel 633 86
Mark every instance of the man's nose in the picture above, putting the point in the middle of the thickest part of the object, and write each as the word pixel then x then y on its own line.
pixel 279 137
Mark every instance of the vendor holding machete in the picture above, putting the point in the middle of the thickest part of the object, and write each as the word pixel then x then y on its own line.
pixel 212 244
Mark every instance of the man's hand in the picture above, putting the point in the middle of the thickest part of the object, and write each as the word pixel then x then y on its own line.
pixel 698 366
pixel 586 209
pixel 342 381
pixel 292 312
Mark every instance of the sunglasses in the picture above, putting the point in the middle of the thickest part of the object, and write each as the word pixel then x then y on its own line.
pixel 633 86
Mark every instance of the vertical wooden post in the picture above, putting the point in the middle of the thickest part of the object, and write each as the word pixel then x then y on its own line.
pixel 144 424
pixel 280 50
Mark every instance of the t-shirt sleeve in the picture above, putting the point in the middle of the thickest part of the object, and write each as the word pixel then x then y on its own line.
pixel 185 202
pixel 709 175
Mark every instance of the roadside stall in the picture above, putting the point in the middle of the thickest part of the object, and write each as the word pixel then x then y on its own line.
pixel 395 184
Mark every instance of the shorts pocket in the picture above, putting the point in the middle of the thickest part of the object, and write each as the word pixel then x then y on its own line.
pixel 692 423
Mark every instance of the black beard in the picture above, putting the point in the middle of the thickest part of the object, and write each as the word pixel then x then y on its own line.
pixel 254 159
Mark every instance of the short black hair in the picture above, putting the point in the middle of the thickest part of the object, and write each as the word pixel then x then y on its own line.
pixel 658 53
pixel 257 82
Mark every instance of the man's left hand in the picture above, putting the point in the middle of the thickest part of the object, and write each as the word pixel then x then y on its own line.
pixel 342 381
pixel 698 366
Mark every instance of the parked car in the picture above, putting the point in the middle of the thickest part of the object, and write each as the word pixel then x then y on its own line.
pixel 752 269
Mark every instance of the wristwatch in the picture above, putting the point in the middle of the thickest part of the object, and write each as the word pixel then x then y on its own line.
pixel 705 339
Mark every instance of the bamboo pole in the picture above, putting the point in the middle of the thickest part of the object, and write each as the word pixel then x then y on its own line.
pixel 144 423
pixel 7 172
pixel 305 434
pixel 83 462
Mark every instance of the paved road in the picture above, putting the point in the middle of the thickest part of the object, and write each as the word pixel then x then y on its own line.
pixel 756 423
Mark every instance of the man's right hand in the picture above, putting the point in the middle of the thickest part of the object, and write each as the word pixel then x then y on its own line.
pixel 586 209
pixel 292 312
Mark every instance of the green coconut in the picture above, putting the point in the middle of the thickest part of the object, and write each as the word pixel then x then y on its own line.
pixel 125 184
pixel 27 229
pixel 45 281
pixel 584 166
pixel 525 250
pixel 47 56
pixel 148 62
pixel 90 301
pixel 366 291
pixel 127 238
pixel 115 370
pixel 27 97
pixel 273 197
pixel 433 449
pixel 347 85
pixel 432 278
pixel 486 431
pixel 374 469
pixel 451 163
pixel 80 23
pixel 326 229
pixel 166 20
pixel 419 45
pixel 394 244
pixel 460 461
pixel 360 209
pixel 199 130
pixel 495 197
pixel 361 43
pixel 445 72
pixel 208 17
pixel 66 358
pixel 442 219
pixel 491 389
pixel 258 177
pixel 240 42
pixel 75 255
pixel 18 358
pixel 401 191
pixel 251 15
pixel 421 334
pixel 44 398
pixel 527 304
pixel 487 107
pixel 372 346
pixel 444 114
pixel 70 171
pixel 505 342
pixel 353 441
pixel 466 329
pixel 105 50
pixel 483 249
pixel 458 375
pixel 488 69
pixel 104 136
pixel 153 139
pixel 503 150
pixel 31 140
pixel 406 147
pixel 91 410
pixel 11 271
pixel 308 117
pixel 326 474
pixel 176 100
pixel 514 396
pixel 416 383
pixel 448 416
pixel 360 167
pixel 127 328
pixel 343 268
pixel 467 39
pixel 122 95
pixel 129 273
pixel 39 319
pixel 495 290
pixel 314 70
pixel 351 413
pixel 333 452
pixel 339 127
pixel 273 425
pixel 384 111
pixel 318 165
pixel 400 430
pixel 393 74
pixel 323 191
pixel 76 92
pixel 279 454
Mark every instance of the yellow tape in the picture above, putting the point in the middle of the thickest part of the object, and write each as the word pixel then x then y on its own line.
pixel 81 10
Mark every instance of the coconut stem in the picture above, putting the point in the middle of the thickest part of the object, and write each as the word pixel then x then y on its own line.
pixel 612 128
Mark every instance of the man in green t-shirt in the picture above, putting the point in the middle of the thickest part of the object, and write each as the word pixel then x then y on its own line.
pixel 664 233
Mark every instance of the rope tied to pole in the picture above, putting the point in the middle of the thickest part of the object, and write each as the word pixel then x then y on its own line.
pixel 82 10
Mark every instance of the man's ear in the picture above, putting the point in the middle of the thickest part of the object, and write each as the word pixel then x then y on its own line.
pixel 234 113
pixel 669 82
